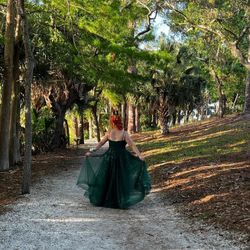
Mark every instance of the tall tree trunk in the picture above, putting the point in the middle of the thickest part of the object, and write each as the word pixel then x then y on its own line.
pixel 94 112
pixel 131 118
pixel 102 129
pixel 174 117
pixel 81 129
pixel 245 61
pixel 164 119
pixel 14 153
pixel 137 119
pixel 7 87
pixel 28 81
pixel 188 115
pixel 221 96
pixel 179 117
pixel 154 119
pixel 90 128
pixel 134 119
pixel 59 136
pixel 76 127
pixel 247 91
pixel 235 101
pixel 66 128
pixel 125 114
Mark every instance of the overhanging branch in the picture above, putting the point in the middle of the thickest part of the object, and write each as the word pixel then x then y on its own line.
pixel 233 46
pixel 150 19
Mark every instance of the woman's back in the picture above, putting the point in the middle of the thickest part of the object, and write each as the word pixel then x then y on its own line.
pixel 116 140
pixel 116 135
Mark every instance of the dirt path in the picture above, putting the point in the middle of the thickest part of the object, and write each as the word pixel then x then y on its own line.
pixel 56 216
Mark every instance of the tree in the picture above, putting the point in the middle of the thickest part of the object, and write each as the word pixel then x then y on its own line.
pixel 228 20
pixel 7 87
pixel 14 154
pixel 29 65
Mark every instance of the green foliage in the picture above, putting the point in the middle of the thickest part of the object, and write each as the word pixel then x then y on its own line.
pixel 112 96
pixel 43 126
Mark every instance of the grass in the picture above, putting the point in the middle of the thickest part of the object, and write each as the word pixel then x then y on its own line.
pixel 212 144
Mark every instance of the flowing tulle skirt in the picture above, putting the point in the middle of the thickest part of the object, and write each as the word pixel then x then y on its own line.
pixel 115 179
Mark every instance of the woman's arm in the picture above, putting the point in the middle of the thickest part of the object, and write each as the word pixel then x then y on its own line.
pixel 100 144
pixel 133 146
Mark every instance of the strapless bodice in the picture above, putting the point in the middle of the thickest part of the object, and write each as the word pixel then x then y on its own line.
pixel 117 145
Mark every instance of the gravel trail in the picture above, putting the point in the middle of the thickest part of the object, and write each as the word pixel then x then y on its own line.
pixel 57 216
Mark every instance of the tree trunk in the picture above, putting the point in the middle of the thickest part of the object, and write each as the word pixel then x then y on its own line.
pixel 14 136
pixel 221 108
pixel 164 119
pixel 134 119
pixel 81 129
pixel 101 127
pixel 179 117
pixel 247 93
pixel 237 53
pixel 14 153
pixel 90 128
pixel 222 99
pixel 174 117
pixel 125 114
pixel 7 87
pixel 235 101
pixel 131 118
pixel 247 89
pixel 94 112
pixel 137 119
pixel 76 127
pixel 154 119
pixel 29 61
pixel 66 128
pixel 188 115
pixel 59 136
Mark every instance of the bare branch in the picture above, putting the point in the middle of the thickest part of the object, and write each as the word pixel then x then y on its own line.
pixel 173 8
pixel 150 19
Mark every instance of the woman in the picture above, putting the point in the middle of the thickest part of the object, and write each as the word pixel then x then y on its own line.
pixel 116 178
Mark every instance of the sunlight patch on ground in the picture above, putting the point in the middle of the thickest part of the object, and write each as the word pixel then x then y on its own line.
pixel 155 166
pixel 208 136
pixel 67 220
pixel 242 142
pixel 196 169
pixel 157 151
pixel 184 183
pixel 233 166
pixel 208 198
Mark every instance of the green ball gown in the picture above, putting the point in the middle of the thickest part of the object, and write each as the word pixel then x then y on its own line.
pixel 114 179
